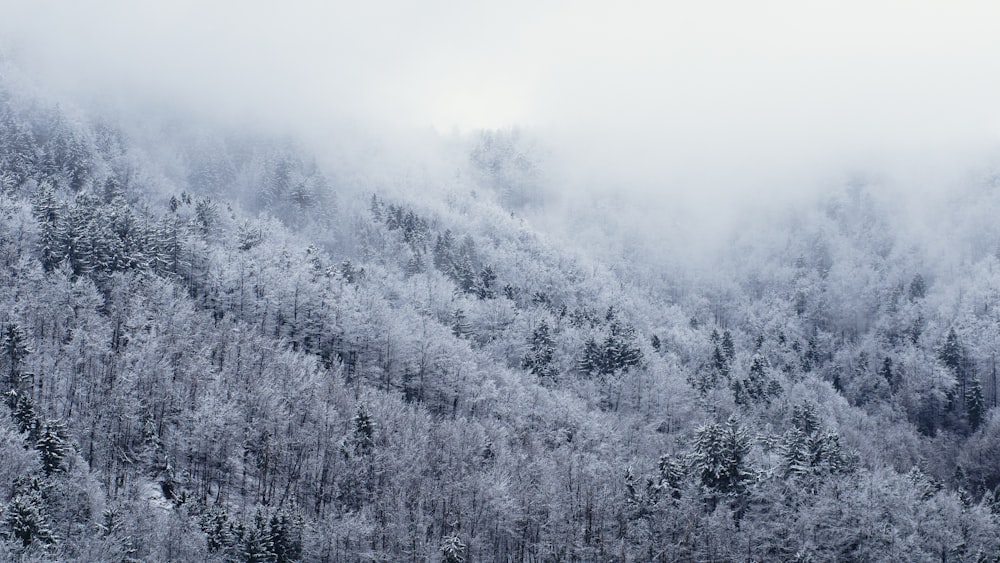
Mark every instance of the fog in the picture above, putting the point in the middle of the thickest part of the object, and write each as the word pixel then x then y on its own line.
pixel 719 105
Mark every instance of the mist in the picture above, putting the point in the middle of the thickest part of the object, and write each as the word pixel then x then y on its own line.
pixel 703 111
pixel 510 281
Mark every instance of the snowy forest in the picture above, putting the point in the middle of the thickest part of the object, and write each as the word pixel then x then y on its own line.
pixel 224 345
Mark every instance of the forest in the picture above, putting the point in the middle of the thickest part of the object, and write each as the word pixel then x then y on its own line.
pixel 221 345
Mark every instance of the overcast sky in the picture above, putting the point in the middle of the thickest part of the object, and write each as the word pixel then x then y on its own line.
pixel 701 96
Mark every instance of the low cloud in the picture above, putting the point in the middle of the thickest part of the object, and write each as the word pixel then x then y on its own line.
pixel 701 104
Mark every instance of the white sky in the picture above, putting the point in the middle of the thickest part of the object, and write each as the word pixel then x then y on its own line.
pixel 692 94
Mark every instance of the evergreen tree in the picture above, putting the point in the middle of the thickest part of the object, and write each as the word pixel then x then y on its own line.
pixel 756 386
pixel 720 456
pixel 248 236
pixel 975 406
pixel 443 259
pixel 466 276
pixel 215 523
pixel 720 363
pixel 18 153
pixel 511 292
pixel 25 520
pixel 48 212
pixel 376 206
pixel 415 265
pixel 167 253
pixel 621 349
pixel 460 325
pixel 805 418
pixel 486 284
pixel 952 355
pixel 671 476
pixel 808 449
pixel 285 528
pixel 349 273
pixel 52 446
pixel 887 372
pixel 452 549
pixel 617 353
pixel 206 216
pixel 256 544
pixel 113 527
pixel 728 349
pixel 72 236
pixel 15 346
pixel 811 356
pixel 591 362
pixel 25 416
pixel 794 450
pixel 363 436
pixel 951 352
pixel 541 351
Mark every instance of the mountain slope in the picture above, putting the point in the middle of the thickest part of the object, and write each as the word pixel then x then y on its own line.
pixel 232 353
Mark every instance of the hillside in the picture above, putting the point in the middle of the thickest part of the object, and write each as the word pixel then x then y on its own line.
pixel 221 346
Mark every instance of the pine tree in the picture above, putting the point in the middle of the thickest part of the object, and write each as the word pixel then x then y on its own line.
pixel 15 346
pixel 828 454
pixel 443 259
pixel 48 212
pixel 215 523
pixel 25 519
pixel 486 284
pixel 285 528
pixel 887 372
pixel 460 325
pixel 756 386
pixel 952 355
pixel 591 361
pixel 18 153
pixel 720 455
pixel 541 351
pixel 52 446
pixel 621 348
pixel 23 410
pixel 363 436
pixel 951 352
pixel 452 549
pixel 618 351
pixel 671 476
pixel 728 349
pixel 256 544
pixel 975 406
pixel 811 357
pixel 808 449
pixel 466 277
pixel 415 265
pixel 794 449
pixel 720 363
pixel 72 236
pixel 206 216
pixel 805 418
pixel 167 248
pixel 248 236
pixel 113 528
pixel 349 273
